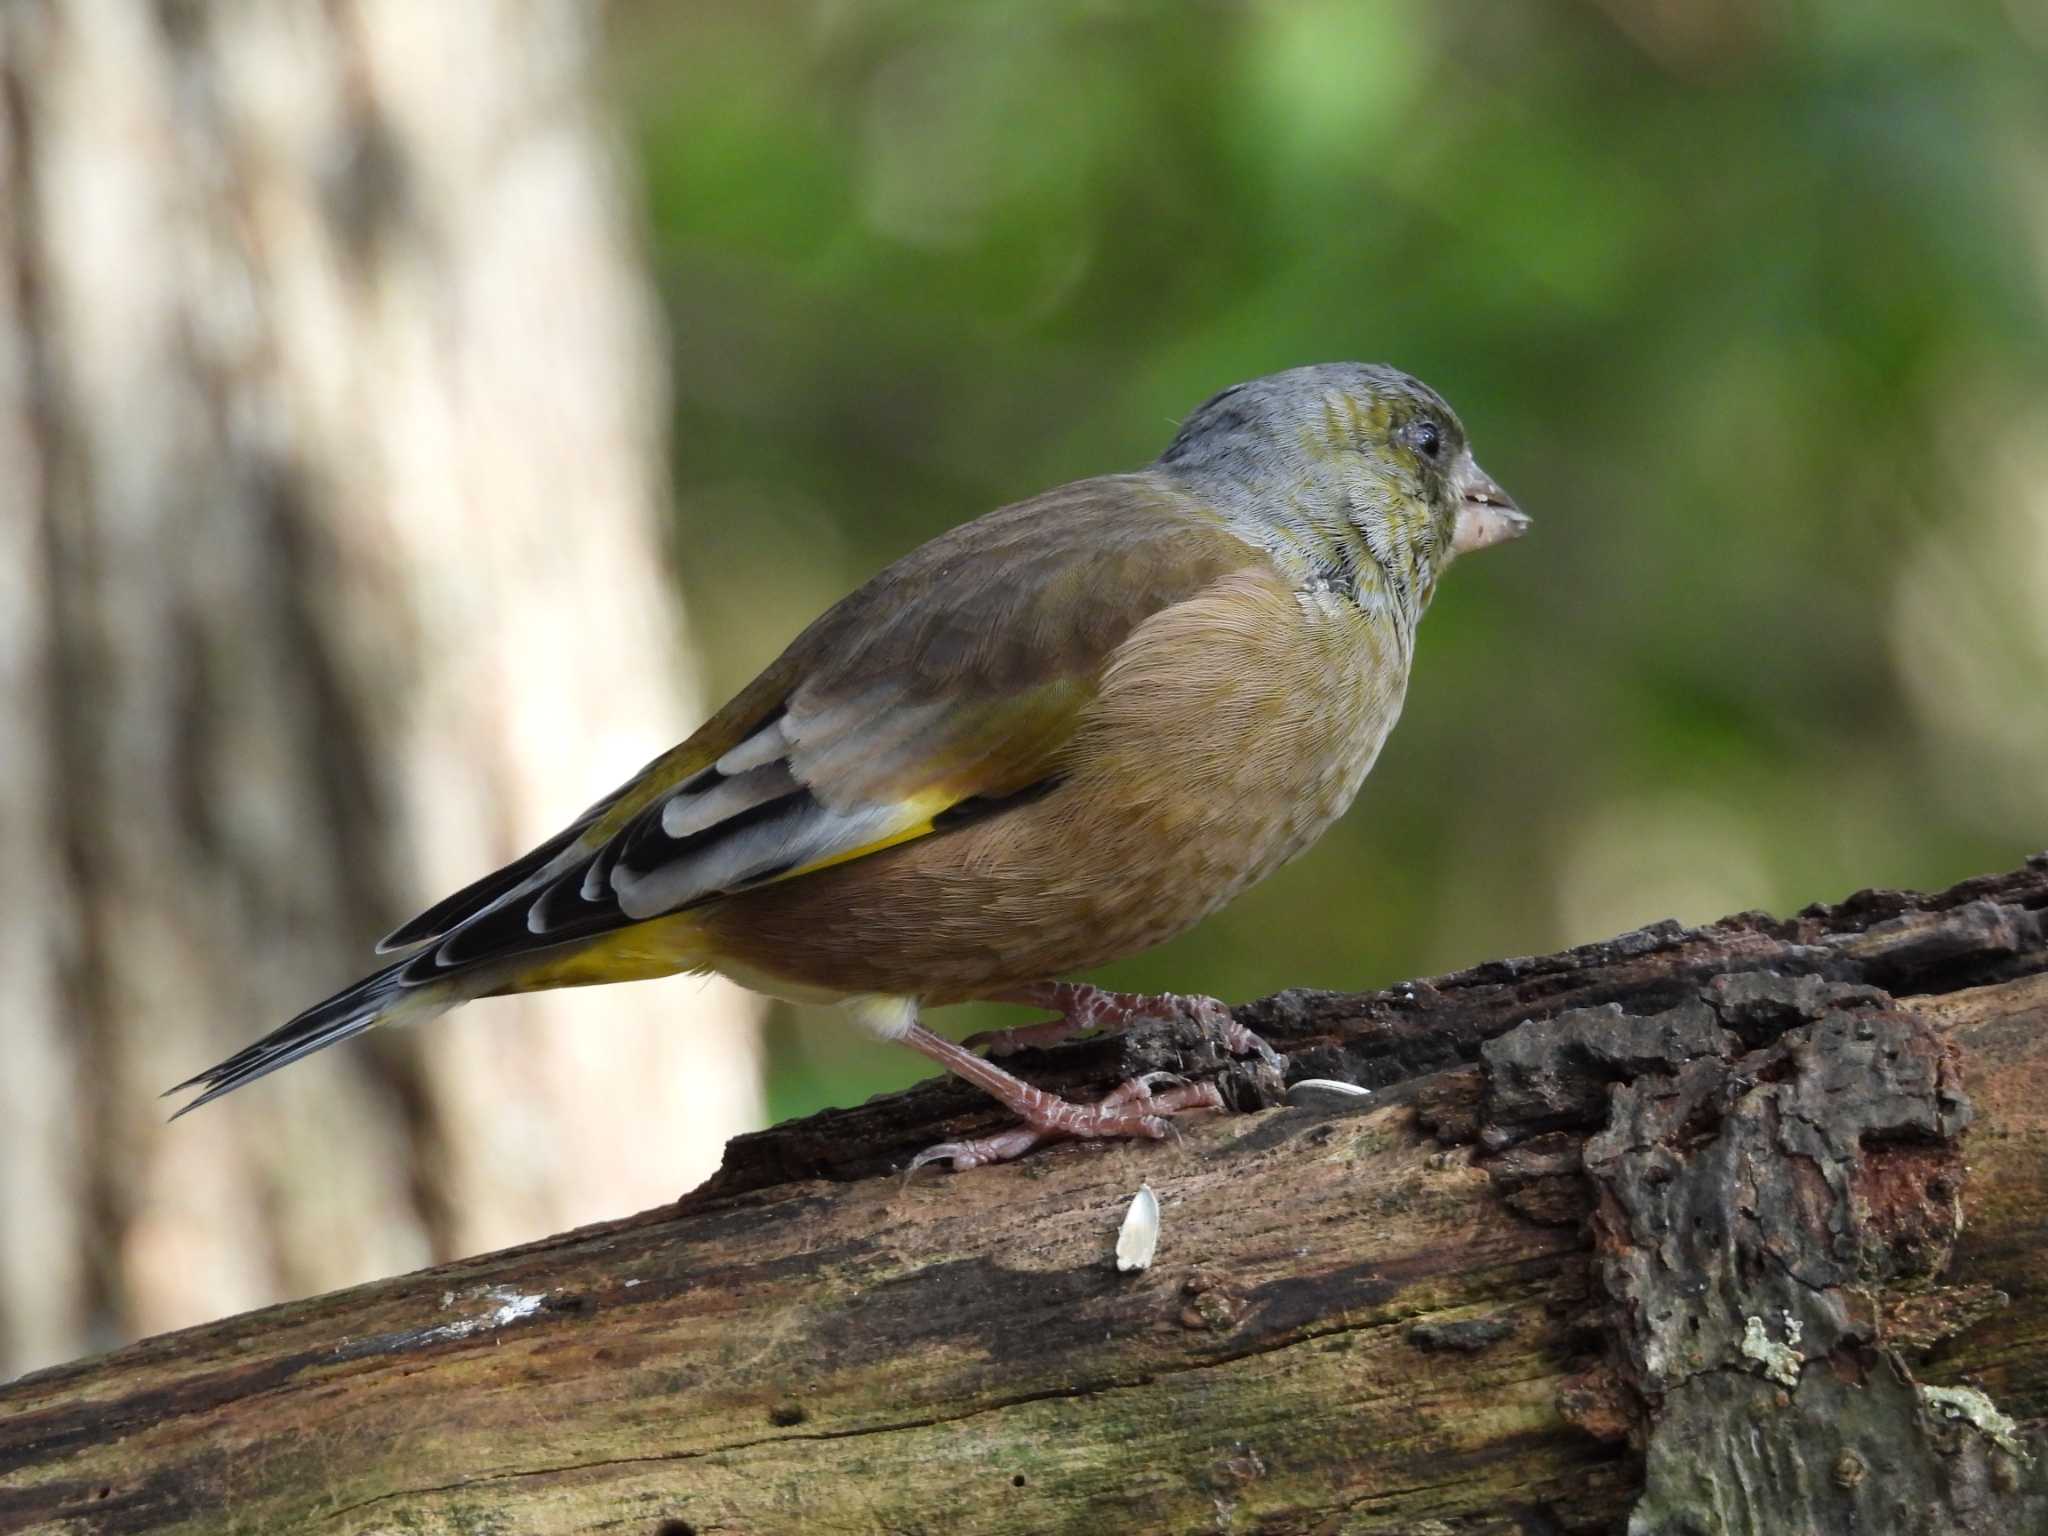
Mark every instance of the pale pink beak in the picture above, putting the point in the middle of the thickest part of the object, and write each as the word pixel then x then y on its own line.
pixel 1487 515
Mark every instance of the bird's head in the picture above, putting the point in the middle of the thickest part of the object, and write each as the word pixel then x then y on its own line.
pixel 1347 458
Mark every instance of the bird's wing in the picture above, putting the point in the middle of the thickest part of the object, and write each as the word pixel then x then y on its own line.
pixel 944 690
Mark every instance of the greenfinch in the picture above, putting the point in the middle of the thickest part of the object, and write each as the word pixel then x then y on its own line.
pixel 1047 739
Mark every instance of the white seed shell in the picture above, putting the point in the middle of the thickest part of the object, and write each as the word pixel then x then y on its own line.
pixel 1138 1238
pixel 1325 1093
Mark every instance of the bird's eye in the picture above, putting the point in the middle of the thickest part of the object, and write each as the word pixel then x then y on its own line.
pixel 1429 438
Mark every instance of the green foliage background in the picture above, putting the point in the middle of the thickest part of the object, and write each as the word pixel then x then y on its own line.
pixel 1746 303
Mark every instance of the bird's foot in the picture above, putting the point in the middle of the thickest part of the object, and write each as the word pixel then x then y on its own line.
pixel 1083 1009
pixel 1132 1109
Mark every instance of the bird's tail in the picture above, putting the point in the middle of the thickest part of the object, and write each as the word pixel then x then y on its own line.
pixel 380 998
pixel 419 986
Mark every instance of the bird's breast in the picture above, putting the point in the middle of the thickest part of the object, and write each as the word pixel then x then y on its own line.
pixel 1228 740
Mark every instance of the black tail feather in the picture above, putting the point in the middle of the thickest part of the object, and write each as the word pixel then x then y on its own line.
pixel 451 912
pixel 348 1012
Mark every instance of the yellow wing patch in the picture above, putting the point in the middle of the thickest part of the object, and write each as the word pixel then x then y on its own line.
pixel 921 810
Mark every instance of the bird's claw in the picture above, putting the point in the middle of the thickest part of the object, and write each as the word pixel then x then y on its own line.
pixel 999 1148
pixel 1132 1109
pixel 1086 1009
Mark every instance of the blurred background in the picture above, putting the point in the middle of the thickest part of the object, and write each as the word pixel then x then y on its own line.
pixel 413 417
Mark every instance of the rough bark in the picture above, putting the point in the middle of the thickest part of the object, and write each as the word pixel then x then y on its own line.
pixel 1726 1229
pixel 330 478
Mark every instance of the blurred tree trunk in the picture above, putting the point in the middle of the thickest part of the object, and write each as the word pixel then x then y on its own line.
pixel 331 509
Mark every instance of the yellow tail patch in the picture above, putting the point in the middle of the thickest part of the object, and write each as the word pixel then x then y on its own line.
pixel 660 947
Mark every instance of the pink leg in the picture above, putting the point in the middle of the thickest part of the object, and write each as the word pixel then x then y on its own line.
pixel 1132 1109
pixel 1082 1008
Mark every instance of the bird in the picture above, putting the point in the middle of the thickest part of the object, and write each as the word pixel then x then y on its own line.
pixel 1046 739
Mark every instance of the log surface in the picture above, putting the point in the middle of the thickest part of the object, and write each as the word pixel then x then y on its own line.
pixel 1732 1228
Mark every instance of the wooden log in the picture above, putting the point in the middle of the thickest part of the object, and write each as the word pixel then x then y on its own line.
pixel 1735 1228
